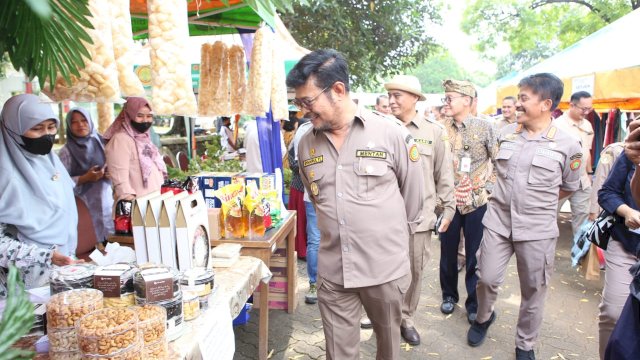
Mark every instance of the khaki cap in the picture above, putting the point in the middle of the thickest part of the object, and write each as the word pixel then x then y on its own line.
pixel 407 83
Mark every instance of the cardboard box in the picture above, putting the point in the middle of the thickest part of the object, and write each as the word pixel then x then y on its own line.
pixel 167 229
pixel 138 212
pixel 215 232
pixel 192 232
pixel 151 231
pixel 209 182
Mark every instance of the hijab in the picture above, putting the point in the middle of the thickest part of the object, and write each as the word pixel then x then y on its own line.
pixel 86 152
pixel 148 153
pixel 37 192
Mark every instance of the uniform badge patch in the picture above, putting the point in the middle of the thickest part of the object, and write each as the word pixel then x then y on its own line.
pixel 371 154
pixel 312 151
pixel 414 155
pixel 575 164
pixel 312 174
pixel 314 189
pixel 313 160
pixel 606 158
pixel 424 141
pixel 576 156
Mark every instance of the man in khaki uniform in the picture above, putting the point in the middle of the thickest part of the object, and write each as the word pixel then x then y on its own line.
pixel 382 105
pixel 364 176
pixel 474 144
pixel 536 163
pixel 573 122
pixel 404 92
pixel 508 116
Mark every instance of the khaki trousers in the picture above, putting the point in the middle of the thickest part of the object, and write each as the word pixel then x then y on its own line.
pixel 616 290
pixel 580 201
pixel 340 311
pixel 419 255
pixel 535 265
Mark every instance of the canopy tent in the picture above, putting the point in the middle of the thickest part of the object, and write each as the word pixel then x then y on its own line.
pixel 605 63
pixel 212 17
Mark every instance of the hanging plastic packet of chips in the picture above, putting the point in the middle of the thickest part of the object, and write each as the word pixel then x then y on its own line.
pixel 256 212
pixel 170 68
pixel 259 85
pixel 279 101
pixel 122 36
pixel 235 217
pixel 237 78
pixel 98 81
pixel 105 116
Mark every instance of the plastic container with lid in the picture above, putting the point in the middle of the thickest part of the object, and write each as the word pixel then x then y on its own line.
pixel 65 308
pixel 152 322
pixel 201 281
pixel 190 305
pixel 116 282
pixel 107 331
pixel 157 350
pixel 62 339
pixel 69 277
pixel 156 283
pixel 175 314
pixel 133 352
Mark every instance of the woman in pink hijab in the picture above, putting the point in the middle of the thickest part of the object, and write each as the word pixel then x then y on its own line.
pixel 133 161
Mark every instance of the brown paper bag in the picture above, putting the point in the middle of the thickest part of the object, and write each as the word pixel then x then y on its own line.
pixel 591 264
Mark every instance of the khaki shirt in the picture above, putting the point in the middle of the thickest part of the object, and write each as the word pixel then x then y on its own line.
pixel 501 122
pixel 584 132
pixel 530 174
pixel 368 199
pixel 437 169
pixel 607 157
pixel 474 138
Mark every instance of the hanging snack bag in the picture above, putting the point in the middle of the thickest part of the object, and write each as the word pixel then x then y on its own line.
pixel 122 37
pixel 259 86
pixel 237 78
pixel 170 68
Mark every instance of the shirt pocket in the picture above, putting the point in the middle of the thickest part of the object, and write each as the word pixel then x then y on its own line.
pixel 544 172
pixel 318 185
pixel 502 162
pixel 370 177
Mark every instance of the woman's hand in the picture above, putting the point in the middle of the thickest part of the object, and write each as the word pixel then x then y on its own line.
pixel 632 219
pixel 61 260
pixel 94 174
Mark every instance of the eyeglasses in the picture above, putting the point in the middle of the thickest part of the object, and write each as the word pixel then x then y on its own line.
pixel 449 99
pixel 306 102
pixel 585 110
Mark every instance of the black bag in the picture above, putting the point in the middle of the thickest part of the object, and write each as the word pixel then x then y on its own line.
pixel 599 232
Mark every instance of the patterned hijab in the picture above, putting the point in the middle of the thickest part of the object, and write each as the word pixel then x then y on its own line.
pixel 148 153
pixel 37 192
pixel 86 152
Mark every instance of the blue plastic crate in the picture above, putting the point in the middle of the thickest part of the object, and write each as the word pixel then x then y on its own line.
pixel 244 315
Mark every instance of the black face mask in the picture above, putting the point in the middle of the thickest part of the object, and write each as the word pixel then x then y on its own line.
pixel 38 146
pixel 141 127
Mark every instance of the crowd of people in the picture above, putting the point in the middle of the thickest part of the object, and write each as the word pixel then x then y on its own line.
pixel 380 182
pixel 371 188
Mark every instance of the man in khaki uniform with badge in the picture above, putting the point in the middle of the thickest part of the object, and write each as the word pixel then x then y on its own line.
pixel 573 122
pixel 536 164
pixel 508 116
pixel 364 175
pixel 404 92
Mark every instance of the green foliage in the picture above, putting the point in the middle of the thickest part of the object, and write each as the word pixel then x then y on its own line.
pixel 44 38
pixel 213 162
pixel 379 38
pixel 534 30
pixel 17 318
pixel 444 66
pixel 286 178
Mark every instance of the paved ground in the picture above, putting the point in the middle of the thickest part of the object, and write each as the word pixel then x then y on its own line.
pixel 569 330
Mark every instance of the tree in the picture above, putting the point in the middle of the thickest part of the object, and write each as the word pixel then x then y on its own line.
pixel 442 66
pixel 379 38
pixel 534 30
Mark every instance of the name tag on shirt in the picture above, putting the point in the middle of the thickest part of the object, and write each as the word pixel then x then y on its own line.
pixel 313 160
pixel 371 154
pixel 549 154
pixel 465 164
pixel 507 145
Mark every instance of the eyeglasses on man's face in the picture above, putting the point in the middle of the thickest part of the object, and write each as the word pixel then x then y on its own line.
pixel 584 110
pixel 449 99
pixel 308 102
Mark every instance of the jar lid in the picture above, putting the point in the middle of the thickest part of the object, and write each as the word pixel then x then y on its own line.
pixel 73 272
pixel 197 276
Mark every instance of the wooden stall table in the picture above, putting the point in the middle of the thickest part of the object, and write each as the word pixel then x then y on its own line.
pixel 261 248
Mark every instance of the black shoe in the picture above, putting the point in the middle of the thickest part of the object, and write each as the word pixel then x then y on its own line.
pixel 365 323
pixel 448 305
pixel 471 317
pixel 478 332
pixel 410 335
pixel 525 355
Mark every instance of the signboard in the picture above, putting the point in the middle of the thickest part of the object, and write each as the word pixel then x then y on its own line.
pixel 583 83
